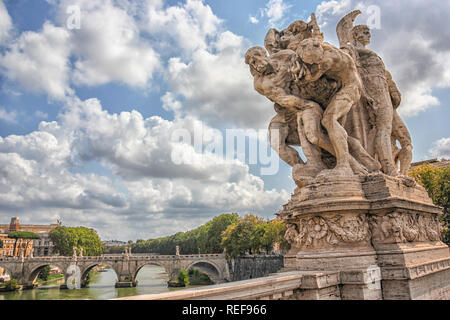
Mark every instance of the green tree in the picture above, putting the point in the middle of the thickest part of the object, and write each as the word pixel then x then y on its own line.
pixel 206 238
pixel 241 237
pixel 214 231
pixel 257 234
pixel 183 277
pixel 252 234
pixel 1 244
pixel 65 238
pixel 25 235
pixel 274 232
pixel 89 241
pixel 12 285
pixel 45 273
pixel 437 182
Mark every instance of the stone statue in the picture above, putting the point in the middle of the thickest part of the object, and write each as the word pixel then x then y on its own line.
pixel 335 64
pixel 301 90
pixel 383 97
pixel 273 78
pixel 353 209
pixel 326 102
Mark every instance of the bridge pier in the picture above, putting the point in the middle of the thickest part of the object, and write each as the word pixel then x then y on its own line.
pixel 126 280
pixel 126 284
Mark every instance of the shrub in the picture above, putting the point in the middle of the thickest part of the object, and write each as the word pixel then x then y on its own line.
pixel 183 277
pixel 12 284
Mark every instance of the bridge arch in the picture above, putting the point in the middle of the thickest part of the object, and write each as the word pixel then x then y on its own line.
pixel 35 269
pixel 168 270
pixel 6 269
pixel 209 268
pixel 86 268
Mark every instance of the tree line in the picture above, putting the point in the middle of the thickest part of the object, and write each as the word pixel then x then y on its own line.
pixel 227 232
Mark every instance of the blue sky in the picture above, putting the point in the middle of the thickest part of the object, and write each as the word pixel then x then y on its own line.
pixel 86 114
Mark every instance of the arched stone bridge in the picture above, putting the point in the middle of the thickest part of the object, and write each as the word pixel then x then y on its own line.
pixel 25 270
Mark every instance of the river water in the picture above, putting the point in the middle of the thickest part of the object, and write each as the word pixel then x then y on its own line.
pixel 151 279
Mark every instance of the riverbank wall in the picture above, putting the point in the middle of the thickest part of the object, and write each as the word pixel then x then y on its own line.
pixel 254 266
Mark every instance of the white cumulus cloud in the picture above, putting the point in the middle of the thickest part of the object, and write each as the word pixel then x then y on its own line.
pixel 441 148
pixel 8 116
pixel 39 61
pixel 5 23
pixel 41 170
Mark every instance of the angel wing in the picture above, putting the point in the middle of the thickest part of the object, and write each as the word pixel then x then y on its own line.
pixel 345 26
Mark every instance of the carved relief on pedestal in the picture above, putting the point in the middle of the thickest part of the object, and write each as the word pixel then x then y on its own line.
pixel 323 231
pixel 350 228
pixel 340 229
pixel 402 227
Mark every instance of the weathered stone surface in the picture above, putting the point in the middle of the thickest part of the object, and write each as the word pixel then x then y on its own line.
pixel 378 228
pixel 256 266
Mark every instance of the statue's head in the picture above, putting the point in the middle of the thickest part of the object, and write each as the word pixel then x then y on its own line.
pixel 361 34
pixel 311 51
pixel 297 27
pixel 256 58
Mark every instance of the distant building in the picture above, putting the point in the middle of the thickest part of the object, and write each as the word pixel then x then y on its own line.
pixel 23 247
pixel 113 243
pixel 39 247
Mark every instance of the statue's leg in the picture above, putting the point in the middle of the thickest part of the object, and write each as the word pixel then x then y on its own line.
pixel 384 118
pixel 339 106
pixel 312 126
pixel 310 133
pixel 303 174
pixel 361 155
pixel 400 132
pixel 278 133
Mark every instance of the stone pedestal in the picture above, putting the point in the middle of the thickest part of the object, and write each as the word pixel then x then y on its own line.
pixel 381 233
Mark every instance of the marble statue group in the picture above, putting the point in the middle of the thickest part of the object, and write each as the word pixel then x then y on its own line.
pixel 355 214
pixel 338 104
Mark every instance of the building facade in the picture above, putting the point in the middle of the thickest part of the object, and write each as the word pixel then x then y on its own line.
pixel 15 247
pixel 113 243
pixel 38 247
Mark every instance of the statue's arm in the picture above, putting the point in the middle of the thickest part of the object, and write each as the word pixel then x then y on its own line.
pixel 313 77
pixel 395 94
pixel 285 99
pixel 276 91
pixel 292 102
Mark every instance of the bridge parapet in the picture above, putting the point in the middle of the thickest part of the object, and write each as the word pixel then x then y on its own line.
pixel 280 286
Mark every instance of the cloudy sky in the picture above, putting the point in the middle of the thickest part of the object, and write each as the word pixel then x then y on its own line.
pixel 91 92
